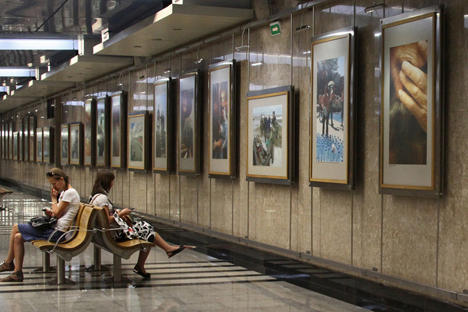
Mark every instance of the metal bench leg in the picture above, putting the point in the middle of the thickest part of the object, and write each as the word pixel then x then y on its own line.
pixel 61 280
pixel 46 268
pixel 117 272
pixel 97 266
pixel 60 271
pixel 117 268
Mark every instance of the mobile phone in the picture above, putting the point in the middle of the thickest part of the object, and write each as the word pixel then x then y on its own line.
pixel 44 209
pixel 131 208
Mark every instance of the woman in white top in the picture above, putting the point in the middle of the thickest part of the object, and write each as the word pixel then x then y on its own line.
pixel 99 197
pixel 64 209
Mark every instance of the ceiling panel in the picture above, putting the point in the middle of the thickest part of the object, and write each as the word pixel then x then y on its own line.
pixel 38 88
pixel 85 68
pixel 171 27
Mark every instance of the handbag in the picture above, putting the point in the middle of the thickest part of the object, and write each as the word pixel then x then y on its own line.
pixel 42 223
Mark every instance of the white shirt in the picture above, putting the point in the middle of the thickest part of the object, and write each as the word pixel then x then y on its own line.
pixel 72 197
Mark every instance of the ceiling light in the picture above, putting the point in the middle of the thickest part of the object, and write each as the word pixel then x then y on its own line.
pixel 38 44
pixel 17 72
pixel 167 70
pixel 303 27
pixel 257 63
pixel 242 47
pixel 374 7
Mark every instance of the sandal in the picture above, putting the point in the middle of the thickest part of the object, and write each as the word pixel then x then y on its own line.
pixel 171 254
pixel 138 270
pixel 13 277
pixel 5 266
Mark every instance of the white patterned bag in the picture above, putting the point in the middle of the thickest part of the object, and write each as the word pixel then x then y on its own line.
pixel 141 229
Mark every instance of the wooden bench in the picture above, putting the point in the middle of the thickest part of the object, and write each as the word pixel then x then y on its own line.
pixel 83 233
pixel 103 239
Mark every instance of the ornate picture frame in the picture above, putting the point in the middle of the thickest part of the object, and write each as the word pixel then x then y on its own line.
pixel 89 132
pixel 138 143
pixel 76 143
pixel 15 145
pixel 48 143
pixel 65 144
pixel 163 134
pixel 189 131
pixel 270 135
pixel 411 134
pixel 118 125
pixel 222 121
pixel 333 111
pixel 102 132
pixel 32 137
pixel 39 146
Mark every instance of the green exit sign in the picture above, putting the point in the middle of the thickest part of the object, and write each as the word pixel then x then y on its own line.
pixel 275 28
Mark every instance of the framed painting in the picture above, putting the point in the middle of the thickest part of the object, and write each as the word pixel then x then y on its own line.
pixel 189 124
pixel 163 134
pixel 138 141
pixel 25 139
pixel 270 135
pixel 11 140
pixel 3 140
pixel 20 141
pixel 15 145
pixel 89 131
pixel 118 125
pixel 65 144
pixel 222 105
pixel 102 132
pixel 411 122
pixel 48 143
pixel 32 138
pixel 332 113
pixel 76 143
pixel 39 146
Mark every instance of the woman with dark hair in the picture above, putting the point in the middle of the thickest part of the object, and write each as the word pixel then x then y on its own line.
pixel 64 209
pixel 99 197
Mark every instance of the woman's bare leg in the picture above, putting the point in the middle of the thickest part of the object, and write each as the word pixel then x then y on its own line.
pixel 11 249
pixel 161 243
pixel 142 259
pixel 19 251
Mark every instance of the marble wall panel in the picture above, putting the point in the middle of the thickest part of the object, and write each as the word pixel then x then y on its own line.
pixel 333 15
pixel 150 194
pixel 241 187
pixel 222 50
pixel 174 197
pixel 203 182
pixel 272 215
pixel 221 205
pixel 189 199
pixel 453 237
pixel 137 190
pixel 301 229
pixel 162 195
pixel 410 238
pixel 138 91
pixel 336 225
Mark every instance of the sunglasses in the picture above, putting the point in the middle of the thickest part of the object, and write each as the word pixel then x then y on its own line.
pixel 51 174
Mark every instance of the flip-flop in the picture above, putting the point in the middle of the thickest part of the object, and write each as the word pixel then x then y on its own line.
pixel 175 252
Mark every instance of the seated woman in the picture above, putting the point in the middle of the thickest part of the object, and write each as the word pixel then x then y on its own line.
pixel 64 209
pixel 99 197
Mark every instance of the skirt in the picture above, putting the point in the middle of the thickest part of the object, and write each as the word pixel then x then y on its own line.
pixel 29 233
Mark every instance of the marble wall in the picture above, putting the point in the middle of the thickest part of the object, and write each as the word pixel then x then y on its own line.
pixel 420 240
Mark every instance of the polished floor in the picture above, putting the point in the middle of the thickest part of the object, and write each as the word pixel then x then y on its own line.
pixel 216 276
